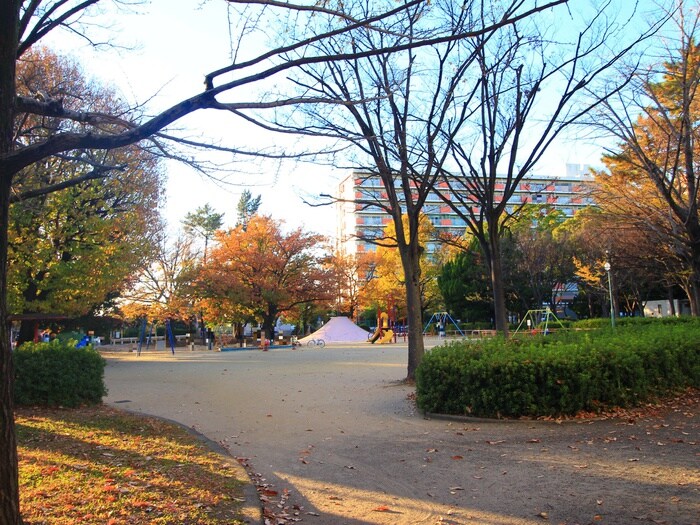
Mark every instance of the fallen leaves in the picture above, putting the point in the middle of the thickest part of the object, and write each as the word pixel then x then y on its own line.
pixel 99 465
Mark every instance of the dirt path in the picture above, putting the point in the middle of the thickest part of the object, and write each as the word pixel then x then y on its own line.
pixel 333 437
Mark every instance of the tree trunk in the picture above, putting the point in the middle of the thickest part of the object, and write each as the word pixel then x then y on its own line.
pixel 500 313
pixel 410 258
pixel 694 298
pixel 26 332
pixel 694 288
pixel 268 325
pixel 9 473
pixel 671 302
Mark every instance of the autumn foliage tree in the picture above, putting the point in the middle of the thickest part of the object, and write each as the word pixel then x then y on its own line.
pixel 260 272
pixel 387 287
pixel 350 274
pixel 72 251
pixel 657 124
pixel 644 243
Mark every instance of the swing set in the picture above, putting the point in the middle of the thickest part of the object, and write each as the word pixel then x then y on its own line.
pixel 441 319
pixel 144 337
pixel 533 318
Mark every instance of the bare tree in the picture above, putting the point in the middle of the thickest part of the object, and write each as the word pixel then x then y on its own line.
pixel 529 89
pixel 402 112
pixel 79 129
pixel 161 290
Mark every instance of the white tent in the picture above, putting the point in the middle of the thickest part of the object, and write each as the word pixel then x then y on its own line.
pixel 338 330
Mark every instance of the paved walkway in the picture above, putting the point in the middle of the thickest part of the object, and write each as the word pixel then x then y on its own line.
pixel 333 435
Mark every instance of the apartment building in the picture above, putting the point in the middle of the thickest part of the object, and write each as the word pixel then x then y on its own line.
pixel 568 193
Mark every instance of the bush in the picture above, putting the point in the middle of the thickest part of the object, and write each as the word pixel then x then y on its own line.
pixel 560 374
pixel 604 322
pixel 58 374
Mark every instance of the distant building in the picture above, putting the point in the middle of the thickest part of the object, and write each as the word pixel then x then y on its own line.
pixel 567 193
pixel 663 308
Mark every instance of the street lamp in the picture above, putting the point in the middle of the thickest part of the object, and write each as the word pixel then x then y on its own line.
pixel 612 306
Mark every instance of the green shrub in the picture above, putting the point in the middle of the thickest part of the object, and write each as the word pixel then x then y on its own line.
pixel 604 322
pixel 560 374
pixel 58 374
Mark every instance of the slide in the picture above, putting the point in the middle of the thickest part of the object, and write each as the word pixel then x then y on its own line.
pixel 382 326
pixel 388 337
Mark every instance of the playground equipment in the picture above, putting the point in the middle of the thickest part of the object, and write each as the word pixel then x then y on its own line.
pixel 533 318
pixel 388 337
pixel 441 319
pixel 147 338
pixel 383 333
pixel 337 330
pixel 83 342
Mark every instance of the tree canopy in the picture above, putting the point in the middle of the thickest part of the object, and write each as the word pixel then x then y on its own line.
pixel 656 125
pixel 73 251
pixel 260 272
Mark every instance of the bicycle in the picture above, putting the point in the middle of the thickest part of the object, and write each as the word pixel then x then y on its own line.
pixel 316 342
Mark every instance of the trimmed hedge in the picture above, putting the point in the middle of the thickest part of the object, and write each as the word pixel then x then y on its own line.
pixel 560 374
pixel 58 374
pixel 604 322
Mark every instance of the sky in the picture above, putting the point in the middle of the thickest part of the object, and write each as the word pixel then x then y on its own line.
pixel 169 47
pixel 164 64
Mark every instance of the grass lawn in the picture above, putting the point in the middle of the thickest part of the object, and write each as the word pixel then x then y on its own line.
pixel 100 465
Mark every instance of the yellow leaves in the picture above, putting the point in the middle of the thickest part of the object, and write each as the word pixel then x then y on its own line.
pixel 103 466
pixel 388 286
pixel 592 274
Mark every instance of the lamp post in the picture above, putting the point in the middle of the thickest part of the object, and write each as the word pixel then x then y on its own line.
pixel 612 305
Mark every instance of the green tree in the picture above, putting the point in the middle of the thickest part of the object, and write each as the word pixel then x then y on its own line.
pixel 464 285
pixel 540 258
pixel 204 221
pixel 71 252
pixel 247 208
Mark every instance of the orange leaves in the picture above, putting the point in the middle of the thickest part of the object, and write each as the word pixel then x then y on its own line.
pixel 49 471
pixel 263 271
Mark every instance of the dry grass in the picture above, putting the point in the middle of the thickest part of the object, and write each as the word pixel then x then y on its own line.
pixel 99 465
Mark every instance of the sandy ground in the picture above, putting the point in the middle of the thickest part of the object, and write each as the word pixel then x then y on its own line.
pixel 332 437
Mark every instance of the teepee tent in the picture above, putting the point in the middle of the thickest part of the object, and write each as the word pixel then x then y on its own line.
pixel 338 330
